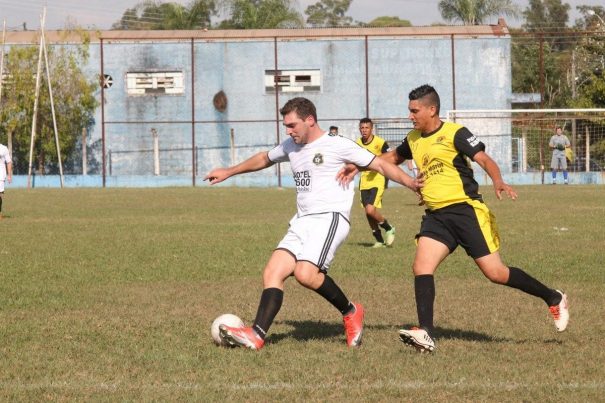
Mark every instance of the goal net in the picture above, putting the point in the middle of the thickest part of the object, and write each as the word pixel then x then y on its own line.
pixel 518 138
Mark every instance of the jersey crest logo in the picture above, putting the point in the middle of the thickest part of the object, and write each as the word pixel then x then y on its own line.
pixel 425 160
pixel 318 159
pixel 440 139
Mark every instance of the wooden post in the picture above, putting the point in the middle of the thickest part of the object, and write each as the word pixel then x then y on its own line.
pixel 587 149
pixel 35 113
pixel 156 152
pixel 2 57
pixel 232 145
pixel 524 145
pixel 52 107
pixel 84 156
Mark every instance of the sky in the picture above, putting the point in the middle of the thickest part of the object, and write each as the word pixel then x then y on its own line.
pixel 99 14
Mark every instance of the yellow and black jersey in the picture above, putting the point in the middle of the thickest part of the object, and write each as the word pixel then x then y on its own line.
pixel 372 179
pixel 443 158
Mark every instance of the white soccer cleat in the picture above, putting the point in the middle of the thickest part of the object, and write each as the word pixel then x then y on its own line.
pixel 560 312
pixel 417 338
pixel 389 237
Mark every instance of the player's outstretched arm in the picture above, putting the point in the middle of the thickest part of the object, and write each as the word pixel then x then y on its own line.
pixel 394 173
pixel 491 168
pixel 255 163
pixel 348 172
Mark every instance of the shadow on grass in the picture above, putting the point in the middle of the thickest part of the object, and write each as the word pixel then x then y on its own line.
pixel 316 330
pixel 365 244
pixel 304 330
pixel 469 335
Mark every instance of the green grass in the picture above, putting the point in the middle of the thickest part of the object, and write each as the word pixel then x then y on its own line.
pixel 109 295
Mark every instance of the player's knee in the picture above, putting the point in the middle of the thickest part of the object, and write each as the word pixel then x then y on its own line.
pixel 306 278
pixel 497 276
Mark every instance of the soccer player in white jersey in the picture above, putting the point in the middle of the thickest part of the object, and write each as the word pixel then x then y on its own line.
pixel 6 171
pixel 320 225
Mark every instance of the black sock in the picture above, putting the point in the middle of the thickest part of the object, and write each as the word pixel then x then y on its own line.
pixel 522 281
pixel 330 291
pixel 0 203
pixel 378 235
pixel 385 225
pixel 270 303
pixel 424 288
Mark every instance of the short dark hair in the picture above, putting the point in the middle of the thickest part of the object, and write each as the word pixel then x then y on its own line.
pixel 333 128
pixel 302 106
pixel 366 120
pixel 427 92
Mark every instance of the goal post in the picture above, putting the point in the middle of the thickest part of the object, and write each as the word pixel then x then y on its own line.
pixel 518 138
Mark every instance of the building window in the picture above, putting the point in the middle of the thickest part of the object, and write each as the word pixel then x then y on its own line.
pixel 292 81
pixel 155 83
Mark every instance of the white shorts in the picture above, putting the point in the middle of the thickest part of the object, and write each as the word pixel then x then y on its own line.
pixel 1 186
pixel 315 238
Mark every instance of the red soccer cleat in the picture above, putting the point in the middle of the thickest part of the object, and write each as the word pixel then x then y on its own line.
pixel 241 337
pixel 354 326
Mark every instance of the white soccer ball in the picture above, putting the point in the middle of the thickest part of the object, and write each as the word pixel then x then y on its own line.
pixel 225 319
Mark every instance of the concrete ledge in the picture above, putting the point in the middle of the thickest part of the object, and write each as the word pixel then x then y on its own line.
pixel 264 180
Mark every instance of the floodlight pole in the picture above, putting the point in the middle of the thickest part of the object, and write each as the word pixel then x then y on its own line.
pixel 35 113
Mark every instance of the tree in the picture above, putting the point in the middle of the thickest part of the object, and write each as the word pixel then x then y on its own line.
pixel 73 95
pixel 525 54
pixel 589 60
pixel 475 12
pixel 262 14
pixel 388 22
pixel 153 14
pixel 329 13
pixel 549 17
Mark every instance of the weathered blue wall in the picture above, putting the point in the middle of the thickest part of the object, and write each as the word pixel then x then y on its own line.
pixel 237 66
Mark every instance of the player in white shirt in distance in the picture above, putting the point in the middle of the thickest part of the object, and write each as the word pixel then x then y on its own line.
pixel 6 171
pixel 321 223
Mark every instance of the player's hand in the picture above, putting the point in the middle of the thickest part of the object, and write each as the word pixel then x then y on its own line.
pixel 217 175
pixel 346 175
pixel 503 187
pixel 419 184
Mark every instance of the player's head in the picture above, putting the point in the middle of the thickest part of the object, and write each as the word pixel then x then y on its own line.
pixel 300 119
pixel 365 128
pixel 334 129
pixel 559 130
pixel 424 107
pixel 427 95
pixel 301 106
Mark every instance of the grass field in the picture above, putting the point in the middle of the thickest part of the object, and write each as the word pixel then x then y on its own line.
pixel 109 295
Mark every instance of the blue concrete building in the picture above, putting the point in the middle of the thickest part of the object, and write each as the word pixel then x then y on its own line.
pixel 177 103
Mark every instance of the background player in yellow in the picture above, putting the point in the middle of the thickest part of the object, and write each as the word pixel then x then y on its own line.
pixel 372 186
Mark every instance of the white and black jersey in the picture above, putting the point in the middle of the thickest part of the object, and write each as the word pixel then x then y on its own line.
pixel 314 167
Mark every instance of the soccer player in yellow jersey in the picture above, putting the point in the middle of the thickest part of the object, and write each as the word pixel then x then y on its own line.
pixel 455 214
pixel 372 186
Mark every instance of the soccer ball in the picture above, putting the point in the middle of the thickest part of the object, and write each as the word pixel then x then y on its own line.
pixel 225 319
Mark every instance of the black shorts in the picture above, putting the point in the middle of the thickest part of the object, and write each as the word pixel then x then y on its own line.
pixel 371 196
pixel 470 225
